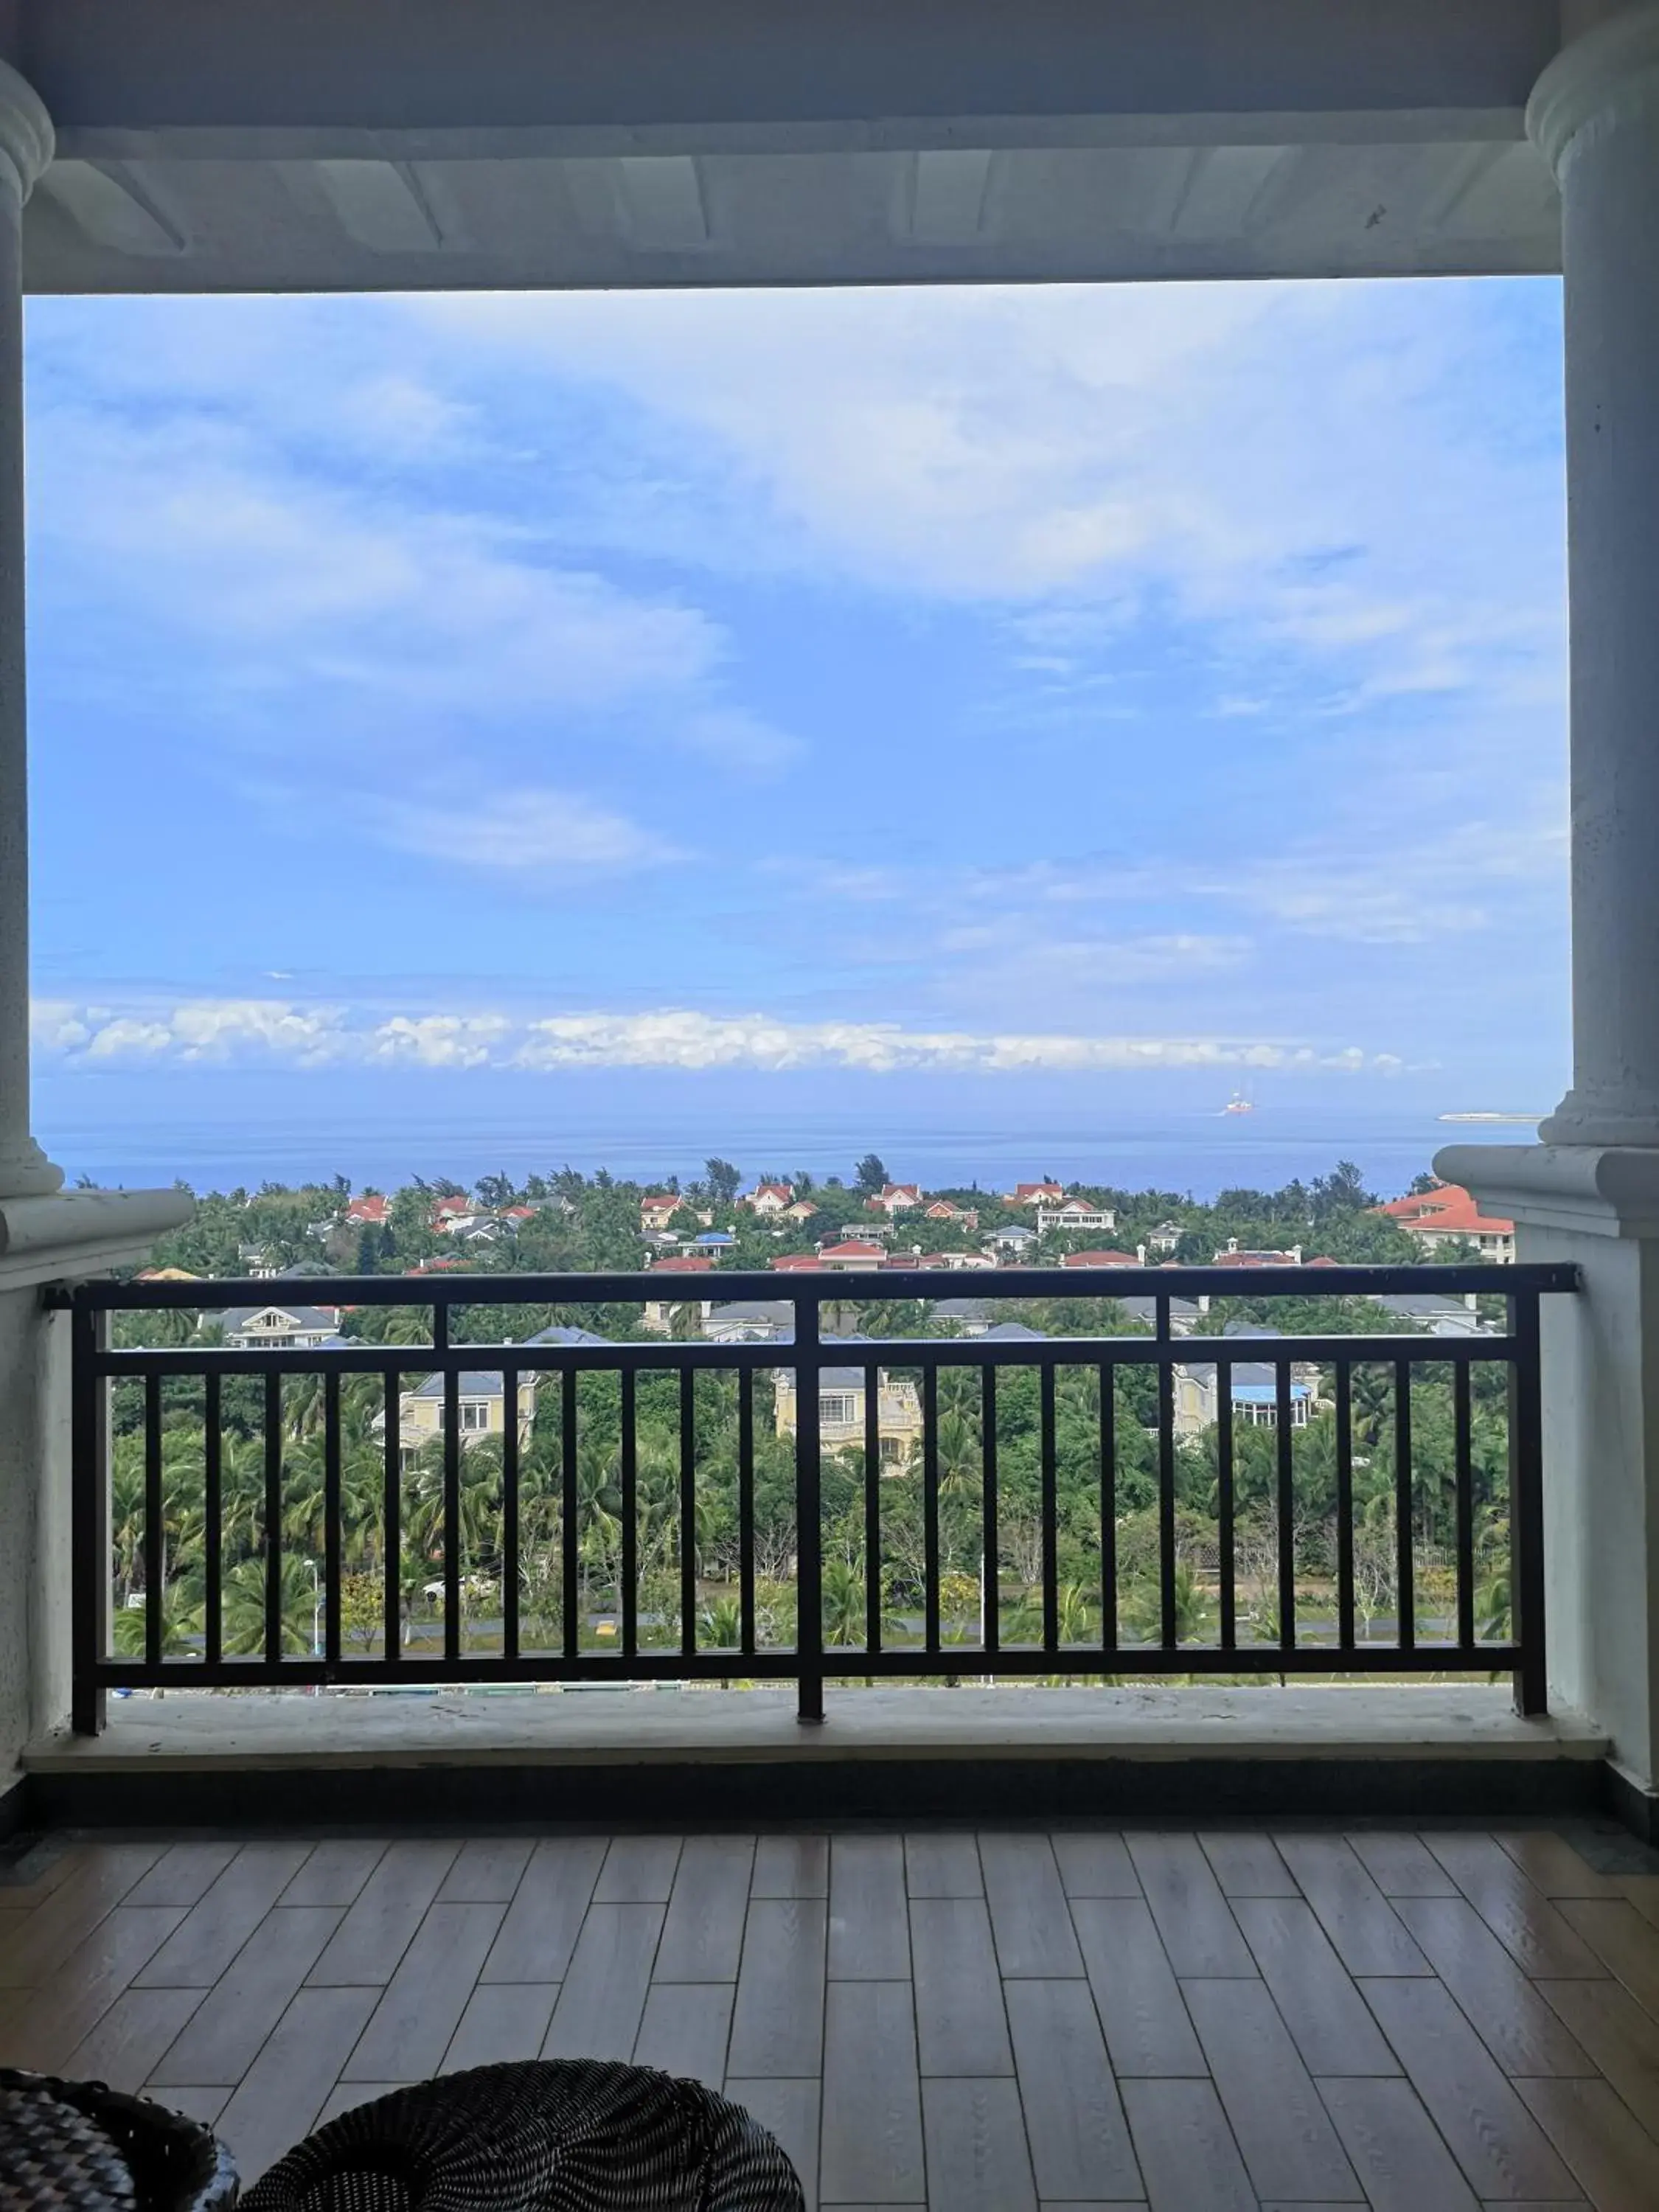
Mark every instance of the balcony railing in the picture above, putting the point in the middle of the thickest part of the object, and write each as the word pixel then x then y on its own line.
pixel 1101 1504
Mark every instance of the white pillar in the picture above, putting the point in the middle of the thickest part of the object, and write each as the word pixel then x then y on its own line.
pixel 1588 1193
pixel 26 147
pixel 1595 117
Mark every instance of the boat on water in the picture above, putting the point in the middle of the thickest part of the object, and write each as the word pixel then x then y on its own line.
pixel 1238 1104
pixel 1520 1120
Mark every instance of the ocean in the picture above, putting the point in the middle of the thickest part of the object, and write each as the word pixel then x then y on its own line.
pixel 649 1138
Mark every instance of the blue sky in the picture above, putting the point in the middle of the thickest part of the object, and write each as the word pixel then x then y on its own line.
pixel 1145 689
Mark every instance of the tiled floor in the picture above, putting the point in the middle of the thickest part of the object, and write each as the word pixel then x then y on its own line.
pixel 1212 2022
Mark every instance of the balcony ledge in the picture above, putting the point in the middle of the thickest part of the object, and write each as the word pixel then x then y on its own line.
pixel 740 1755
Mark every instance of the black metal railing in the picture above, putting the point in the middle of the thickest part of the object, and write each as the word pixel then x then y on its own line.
pixel 1112 1504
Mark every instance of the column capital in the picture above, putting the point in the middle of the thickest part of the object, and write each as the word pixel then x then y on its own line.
pixel 1597 82
pixel 26 142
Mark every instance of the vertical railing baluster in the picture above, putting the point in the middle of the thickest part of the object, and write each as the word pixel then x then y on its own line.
pixel 1463 1476
pixel 1166 1475
pixel 1344 1605
pixel 332 1531
pixel 273 1519
pixel 512 1416
pixel 688 1512
pixel 746 1509
pixel 452 1404
pixel 1282 1408
pixel 212 1522
pixel 930 1566
pixel 391 1518
pixel 630 1516
pixel 990 1555
pixel 569 1524
pixel 92 1563
pixel 809 1513
pixel 1226 1534
pixel 1405 1572
pixel 1050 1478
pixel 155 1535
pixel 873 1508
pixel 1108 1509
pixel 1526 1625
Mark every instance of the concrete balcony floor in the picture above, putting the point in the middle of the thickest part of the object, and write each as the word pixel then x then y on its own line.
pixel 1208 2020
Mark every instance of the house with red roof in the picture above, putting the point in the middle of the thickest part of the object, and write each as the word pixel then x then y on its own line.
pixel 372 1211
pixel 895 1198
pixel 1102 1260
pixel 853 1252
pixel 681 1263
pixel 1036 1194
pixel 659 1209
pixel 1449 1215
pixel 795 1263
pixel 942 1210
pixel 769 1198
pixel 1237 1256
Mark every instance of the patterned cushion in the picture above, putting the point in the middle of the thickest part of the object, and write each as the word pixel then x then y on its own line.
pixel 580 2134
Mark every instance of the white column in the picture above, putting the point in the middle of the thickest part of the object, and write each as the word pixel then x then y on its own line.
pixel 26 147
pixel 1589 1195
pixel 1595 117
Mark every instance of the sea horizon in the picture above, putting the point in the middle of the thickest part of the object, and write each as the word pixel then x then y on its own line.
pixel 1196 1153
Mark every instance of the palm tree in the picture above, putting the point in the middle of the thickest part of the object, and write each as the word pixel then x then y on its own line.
pixel 181 1626
pixel 722 1624
pixel 245 1608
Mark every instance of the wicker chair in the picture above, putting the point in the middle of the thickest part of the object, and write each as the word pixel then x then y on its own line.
pixel 78 2146
pixel 543 2135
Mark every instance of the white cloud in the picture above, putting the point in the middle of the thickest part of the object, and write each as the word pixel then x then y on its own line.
pixel 201 1030
pixel 529 831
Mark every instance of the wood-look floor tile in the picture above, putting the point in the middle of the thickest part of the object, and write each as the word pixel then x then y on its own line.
pixel 977 2159
pixel 638 1870
pixel 1642 1890
pixel 789 2109
pixel 1622 1941
pixel 791 1866
pixel 224 2035
pixel 131 2038
pixel 347 2096
pixel 102 1878
pixel 1490 2132
pixel 942 1865
pixel 335 1873
pixel 1619 2036
pixel 183 1873
pixel 203 2103
pixel 1200 1934
pixel 545 1917
pixel 1146 2023
pixel 378 1929
pixel 502 2020
pixel 1551 1865
pixel 1247 1864
pixel 487 1870
pixel 1397 2150
pixel 408 2031
pixel 1283 2131
pixel 1079 2138
pixel 1366 1933
pixel 1507 2012
pixel 869 1924
pixel 1094 1863
pixel 1029 1914
pixel 1328 2020
pixel 960 2028
pixel 871 2148
pixel 289 2083
pixel 1186 2147
pixel 1400 1864
pixel 39 2028
pixel 702 1935
pixel 215 1927
pixel 777 2025
pixel 603 1996
pixel 1613 2158
pixel 1522 1918
pixel 685 2030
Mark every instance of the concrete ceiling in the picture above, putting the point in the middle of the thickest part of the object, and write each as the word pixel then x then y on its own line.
pixel 366 145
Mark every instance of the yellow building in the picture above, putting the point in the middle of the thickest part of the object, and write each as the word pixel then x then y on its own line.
pixel 841 1412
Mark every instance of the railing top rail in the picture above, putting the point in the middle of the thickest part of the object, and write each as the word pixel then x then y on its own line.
pixel 826 1286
